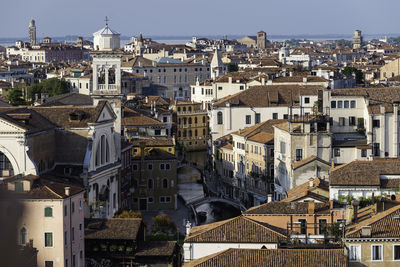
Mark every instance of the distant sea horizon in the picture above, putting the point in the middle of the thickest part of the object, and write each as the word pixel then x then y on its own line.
pixel 171 39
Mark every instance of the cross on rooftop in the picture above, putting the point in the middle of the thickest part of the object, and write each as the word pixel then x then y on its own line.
pixel 107 20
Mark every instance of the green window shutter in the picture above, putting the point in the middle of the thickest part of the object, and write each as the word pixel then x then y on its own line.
pixel 19 187
pixel 48 212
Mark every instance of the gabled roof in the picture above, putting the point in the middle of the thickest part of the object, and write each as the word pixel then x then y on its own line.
pixel 25 118
pixel 307 190
pixel 383 225
pixel 236 257
pixel 69 99
pixel 365 173
pixel 236 230
pixel 134 118
pixel 269 96
pixel 153 141
pixel 156 154
pixel 300 163
pixel 377 96
pixel 262 127
pixel 113 228
pixel 273 208
pixel 60 115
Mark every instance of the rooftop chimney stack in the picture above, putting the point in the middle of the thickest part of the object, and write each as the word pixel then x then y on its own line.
pixel 67 190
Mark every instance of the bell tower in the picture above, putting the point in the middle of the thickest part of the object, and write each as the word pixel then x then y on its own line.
pixel 106 67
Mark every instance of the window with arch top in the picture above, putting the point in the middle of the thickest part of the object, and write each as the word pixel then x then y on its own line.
pixel 219 117
pixel 102 151
pixel 23 236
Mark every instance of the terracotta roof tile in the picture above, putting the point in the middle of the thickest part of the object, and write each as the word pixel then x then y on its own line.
pixel 112 228
pixel 269 96
pixel 364 173
pixel 383 225
pixel 273 257
pixel 237 230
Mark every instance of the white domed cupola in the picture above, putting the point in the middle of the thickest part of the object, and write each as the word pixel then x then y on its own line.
pixel 106 39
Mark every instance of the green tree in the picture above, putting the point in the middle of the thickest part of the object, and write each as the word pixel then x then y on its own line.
pixel 163 223
pixel 15 96
pixel 128 214
pixel 357 73
pixel 232 67
pixel 52 86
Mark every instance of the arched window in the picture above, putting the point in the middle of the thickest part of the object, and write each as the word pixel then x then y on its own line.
pixel 219 117
pixel 103 149
pixel 107 152
pixel 204 132
pixel 190 133
pixel 195 120
pixel 179 121
pixel 184 120
pixel 48 212
pixel 150 184
pixel 204 119
pixel 23 236
pixel 190 108
pixel 190 120
pixel 184 109
pixel 5 164
pixel 165 183
pixel 195 132
pixel 184 133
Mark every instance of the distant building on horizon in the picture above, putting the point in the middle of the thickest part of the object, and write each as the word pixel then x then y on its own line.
pixel 357 39
pixel 32 32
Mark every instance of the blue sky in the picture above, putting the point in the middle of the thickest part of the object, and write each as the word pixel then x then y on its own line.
pixel 201 17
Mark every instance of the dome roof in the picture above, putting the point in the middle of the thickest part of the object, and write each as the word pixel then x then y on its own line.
pixel 105 31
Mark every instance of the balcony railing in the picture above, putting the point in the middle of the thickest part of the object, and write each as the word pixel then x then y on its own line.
pixel 106 87
pixel 192 112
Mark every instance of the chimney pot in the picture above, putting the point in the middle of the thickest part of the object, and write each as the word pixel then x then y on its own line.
pixel 67 190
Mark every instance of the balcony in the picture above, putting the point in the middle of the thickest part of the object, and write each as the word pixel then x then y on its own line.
pixel 315 231
pixel 192 112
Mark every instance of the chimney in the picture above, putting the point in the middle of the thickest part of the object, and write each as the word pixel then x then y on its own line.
pixel 291 74
pixel 366 231
pixel 269 198
pixel 188 228
pixel 331 204
pixel 67 190
pixel 311 182
pixel 262 81
pixel 304 79
pixel 311 207
pixel 31 243
pixel 332 164
pixel 230 79
pixel 355 204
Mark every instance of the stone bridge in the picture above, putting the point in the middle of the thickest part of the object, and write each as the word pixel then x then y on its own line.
pixel 202 200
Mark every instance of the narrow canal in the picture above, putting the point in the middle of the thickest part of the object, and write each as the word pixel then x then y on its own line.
pixel 189 184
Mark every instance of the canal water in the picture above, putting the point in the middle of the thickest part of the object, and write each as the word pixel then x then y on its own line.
pixel 215 211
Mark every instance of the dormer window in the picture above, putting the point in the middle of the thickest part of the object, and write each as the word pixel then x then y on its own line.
pixel 76 115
